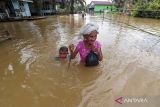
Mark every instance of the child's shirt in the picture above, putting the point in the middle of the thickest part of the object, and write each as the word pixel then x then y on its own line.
pixel 84 51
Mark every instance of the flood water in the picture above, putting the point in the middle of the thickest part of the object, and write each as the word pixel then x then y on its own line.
pixel 30 77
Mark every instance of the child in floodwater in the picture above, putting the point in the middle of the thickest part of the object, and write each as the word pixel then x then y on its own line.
pixel 89 48
pixel 63 53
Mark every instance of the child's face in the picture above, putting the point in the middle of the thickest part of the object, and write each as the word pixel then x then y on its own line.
pixel 92 37
pixel 63 54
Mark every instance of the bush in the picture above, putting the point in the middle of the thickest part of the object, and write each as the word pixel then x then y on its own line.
pixel 149 10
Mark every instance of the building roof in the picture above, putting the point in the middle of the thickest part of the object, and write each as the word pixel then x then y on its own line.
pixel 101 3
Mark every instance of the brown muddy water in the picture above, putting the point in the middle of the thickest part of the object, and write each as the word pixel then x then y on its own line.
pixel 30 77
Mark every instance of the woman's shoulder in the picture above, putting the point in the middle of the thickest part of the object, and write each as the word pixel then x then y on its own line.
pixel 80 44
pixel 98 44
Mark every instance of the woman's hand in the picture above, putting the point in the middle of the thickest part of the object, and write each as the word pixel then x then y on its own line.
pixel 94 49
pixel 71 47
pixel 73 51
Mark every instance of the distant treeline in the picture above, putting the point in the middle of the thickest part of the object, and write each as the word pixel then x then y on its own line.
pixel 148 10
pixel 140 8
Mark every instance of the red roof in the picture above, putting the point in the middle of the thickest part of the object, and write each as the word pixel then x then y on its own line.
pixel 102 2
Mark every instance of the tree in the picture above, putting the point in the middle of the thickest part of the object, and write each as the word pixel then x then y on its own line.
pixel 71 4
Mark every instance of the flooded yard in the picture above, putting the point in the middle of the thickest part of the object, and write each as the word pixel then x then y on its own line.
pixel 30 77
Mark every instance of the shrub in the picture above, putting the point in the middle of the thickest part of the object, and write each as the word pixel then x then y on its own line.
pixel 149 10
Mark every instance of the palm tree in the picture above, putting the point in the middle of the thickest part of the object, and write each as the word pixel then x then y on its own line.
pixel 72 7
pixel 82 2
pixel 39 5
pixel 119 3
pixel 69 5
pixel 72 3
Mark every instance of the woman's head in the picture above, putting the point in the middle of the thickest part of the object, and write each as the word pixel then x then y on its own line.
pixel 91 38
pixel 88 28
pixel 89 32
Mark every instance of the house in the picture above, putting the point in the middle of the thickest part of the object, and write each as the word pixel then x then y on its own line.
pixel 45 7
pixel 3 14
pixel 14 8
pixel 21 7
pixel 100 6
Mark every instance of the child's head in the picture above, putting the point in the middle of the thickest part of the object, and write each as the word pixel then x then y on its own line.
pixel 63 52
pixel 89 32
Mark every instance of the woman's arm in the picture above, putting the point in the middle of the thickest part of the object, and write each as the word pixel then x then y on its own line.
pixel 72 51
pixel 100 55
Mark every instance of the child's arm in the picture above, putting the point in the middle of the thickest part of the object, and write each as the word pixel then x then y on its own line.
pixel 72 51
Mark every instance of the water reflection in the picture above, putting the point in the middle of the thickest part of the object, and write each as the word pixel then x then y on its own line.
pixel 10 68
pixel 27 56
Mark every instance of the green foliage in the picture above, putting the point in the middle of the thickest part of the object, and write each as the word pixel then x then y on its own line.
pixel 149 10
pixel 155 5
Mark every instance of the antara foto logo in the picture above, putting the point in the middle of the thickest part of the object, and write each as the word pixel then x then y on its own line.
pixel 119 100
pixel 123 100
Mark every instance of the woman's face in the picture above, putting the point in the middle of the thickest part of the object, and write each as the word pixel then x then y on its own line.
pixel 91 38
